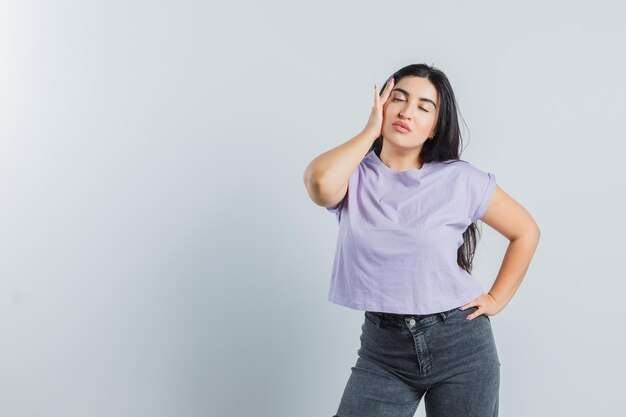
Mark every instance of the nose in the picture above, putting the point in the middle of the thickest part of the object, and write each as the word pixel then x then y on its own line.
pixel 405 113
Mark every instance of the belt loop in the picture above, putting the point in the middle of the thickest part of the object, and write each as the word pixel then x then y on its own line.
pixel 443 316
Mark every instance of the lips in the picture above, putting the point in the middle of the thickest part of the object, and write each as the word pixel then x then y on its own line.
pixel 402 125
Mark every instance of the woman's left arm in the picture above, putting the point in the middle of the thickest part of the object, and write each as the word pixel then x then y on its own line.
pixel 514 222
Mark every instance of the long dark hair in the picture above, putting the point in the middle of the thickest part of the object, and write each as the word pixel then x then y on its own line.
pixel 444 146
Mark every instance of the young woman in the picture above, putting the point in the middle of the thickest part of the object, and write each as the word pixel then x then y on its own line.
pixel 407 208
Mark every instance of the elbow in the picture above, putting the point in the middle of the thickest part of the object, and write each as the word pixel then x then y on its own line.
pixel 537 235
pixel 314 187
pixel 529 232
pixel 311 180
pixel 532 230
pixel 536 231
pixel 311 177
pixel 533 234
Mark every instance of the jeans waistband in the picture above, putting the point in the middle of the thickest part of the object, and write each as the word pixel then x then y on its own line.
pixel 400 320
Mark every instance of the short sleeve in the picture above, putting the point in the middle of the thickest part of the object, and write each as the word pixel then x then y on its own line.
pixel 482 187
pixel 337 209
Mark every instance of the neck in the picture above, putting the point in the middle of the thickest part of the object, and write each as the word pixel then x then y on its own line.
pixel 401 160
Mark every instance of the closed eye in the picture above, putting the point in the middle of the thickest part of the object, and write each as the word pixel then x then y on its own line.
pixel 397 99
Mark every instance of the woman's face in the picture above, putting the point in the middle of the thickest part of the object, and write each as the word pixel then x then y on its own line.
pixel 417 100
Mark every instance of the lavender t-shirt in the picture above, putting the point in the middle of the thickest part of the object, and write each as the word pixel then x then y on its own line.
pixel 399 233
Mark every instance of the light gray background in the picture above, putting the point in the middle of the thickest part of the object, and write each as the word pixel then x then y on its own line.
pixel 160 254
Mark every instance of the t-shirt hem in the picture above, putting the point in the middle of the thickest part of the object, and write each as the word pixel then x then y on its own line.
pixel 431 309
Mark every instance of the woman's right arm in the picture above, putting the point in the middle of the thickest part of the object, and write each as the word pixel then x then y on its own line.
pixel 326 177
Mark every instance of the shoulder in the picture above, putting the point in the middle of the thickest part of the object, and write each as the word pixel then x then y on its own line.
pixel 455 168
pixel 462 168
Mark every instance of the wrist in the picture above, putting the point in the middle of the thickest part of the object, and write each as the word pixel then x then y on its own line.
pixel 371 134
pixel 494 298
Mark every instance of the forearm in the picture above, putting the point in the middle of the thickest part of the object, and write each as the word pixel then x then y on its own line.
pixel 332 169
pixel 514 267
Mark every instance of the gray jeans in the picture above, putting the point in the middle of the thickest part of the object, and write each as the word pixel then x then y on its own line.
pixel 452 361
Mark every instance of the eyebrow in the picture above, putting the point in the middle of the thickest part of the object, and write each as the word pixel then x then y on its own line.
pixel 406 93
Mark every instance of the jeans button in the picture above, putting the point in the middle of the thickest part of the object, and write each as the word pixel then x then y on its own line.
pixel 412 322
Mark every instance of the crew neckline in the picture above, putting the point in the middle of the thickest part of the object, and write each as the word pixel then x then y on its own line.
pixel 411 171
